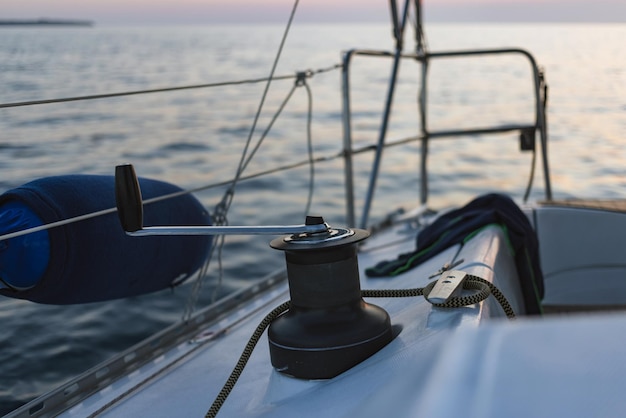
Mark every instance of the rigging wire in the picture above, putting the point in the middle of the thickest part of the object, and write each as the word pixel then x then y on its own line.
pixel 286 167
pixel 220 214
pixel 138 92
pixel 300 81
pixel 189 308
pixel 309 73
pixel 421 41
pixel 242 163
pixel 268 128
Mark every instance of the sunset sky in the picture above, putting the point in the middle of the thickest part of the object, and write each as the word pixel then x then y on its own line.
pixel 231 11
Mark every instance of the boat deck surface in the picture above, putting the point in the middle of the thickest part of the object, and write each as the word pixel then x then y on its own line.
pixel 184 381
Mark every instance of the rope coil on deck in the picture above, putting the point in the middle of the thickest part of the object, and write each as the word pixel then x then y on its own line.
pixel 484 289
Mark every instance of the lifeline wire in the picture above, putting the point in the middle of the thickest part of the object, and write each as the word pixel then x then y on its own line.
pixel 227 196
pixel 484 288
pixel 367 148
pixel 161 89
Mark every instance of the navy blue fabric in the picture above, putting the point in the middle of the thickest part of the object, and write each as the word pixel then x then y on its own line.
pixel 94 260
pixel 24 259
pixel 456 226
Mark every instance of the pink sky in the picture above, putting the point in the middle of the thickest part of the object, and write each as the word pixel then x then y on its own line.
pixel 205 11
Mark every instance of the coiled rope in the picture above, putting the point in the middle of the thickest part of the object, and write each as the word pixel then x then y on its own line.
pixel 482 287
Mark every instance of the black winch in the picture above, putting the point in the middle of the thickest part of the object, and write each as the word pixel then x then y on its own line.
pixel 328 328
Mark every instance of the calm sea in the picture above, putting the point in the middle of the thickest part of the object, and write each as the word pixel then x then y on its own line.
pixel 195 137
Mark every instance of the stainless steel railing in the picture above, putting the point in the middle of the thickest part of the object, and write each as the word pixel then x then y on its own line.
pixel 527 130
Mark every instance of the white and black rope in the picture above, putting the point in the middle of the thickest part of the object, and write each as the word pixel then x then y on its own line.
pixel 483 287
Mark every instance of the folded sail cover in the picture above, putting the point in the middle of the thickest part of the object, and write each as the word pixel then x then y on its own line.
pixel 94 260
pixel 462 224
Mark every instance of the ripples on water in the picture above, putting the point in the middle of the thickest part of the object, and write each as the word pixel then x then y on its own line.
pixel 195 137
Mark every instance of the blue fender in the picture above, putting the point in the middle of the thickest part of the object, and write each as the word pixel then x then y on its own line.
pixel 94 260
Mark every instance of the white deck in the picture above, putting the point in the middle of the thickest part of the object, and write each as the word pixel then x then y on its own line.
pixel 184 382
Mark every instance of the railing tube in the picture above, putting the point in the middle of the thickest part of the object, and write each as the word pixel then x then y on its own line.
pixel 423 124
pixel 347 139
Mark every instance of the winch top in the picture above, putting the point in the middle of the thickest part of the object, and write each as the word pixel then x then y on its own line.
pixel 330 237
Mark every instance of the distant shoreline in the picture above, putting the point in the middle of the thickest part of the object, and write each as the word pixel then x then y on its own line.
pixel 45 22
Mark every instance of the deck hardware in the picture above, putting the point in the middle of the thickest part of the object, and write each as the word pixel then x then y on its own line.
pixel 446 267
pixel 449 284
pixel 328 328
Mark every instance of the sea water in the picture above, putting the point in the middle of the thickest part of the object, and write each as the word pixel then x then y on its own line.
pixel 195 137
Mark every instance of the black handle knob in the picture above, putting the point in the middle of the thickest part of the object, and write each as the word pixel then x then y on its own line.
pixel 314 220
pixel 128 198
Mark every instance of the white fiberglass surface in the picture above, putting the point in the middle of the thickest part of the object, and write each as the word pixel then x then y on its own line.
pixel 188 387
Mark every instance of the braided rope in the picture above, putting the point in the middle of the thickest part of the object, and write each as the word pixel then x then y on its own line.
pixel 243 359
pixel 502 300
pixel 484 288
